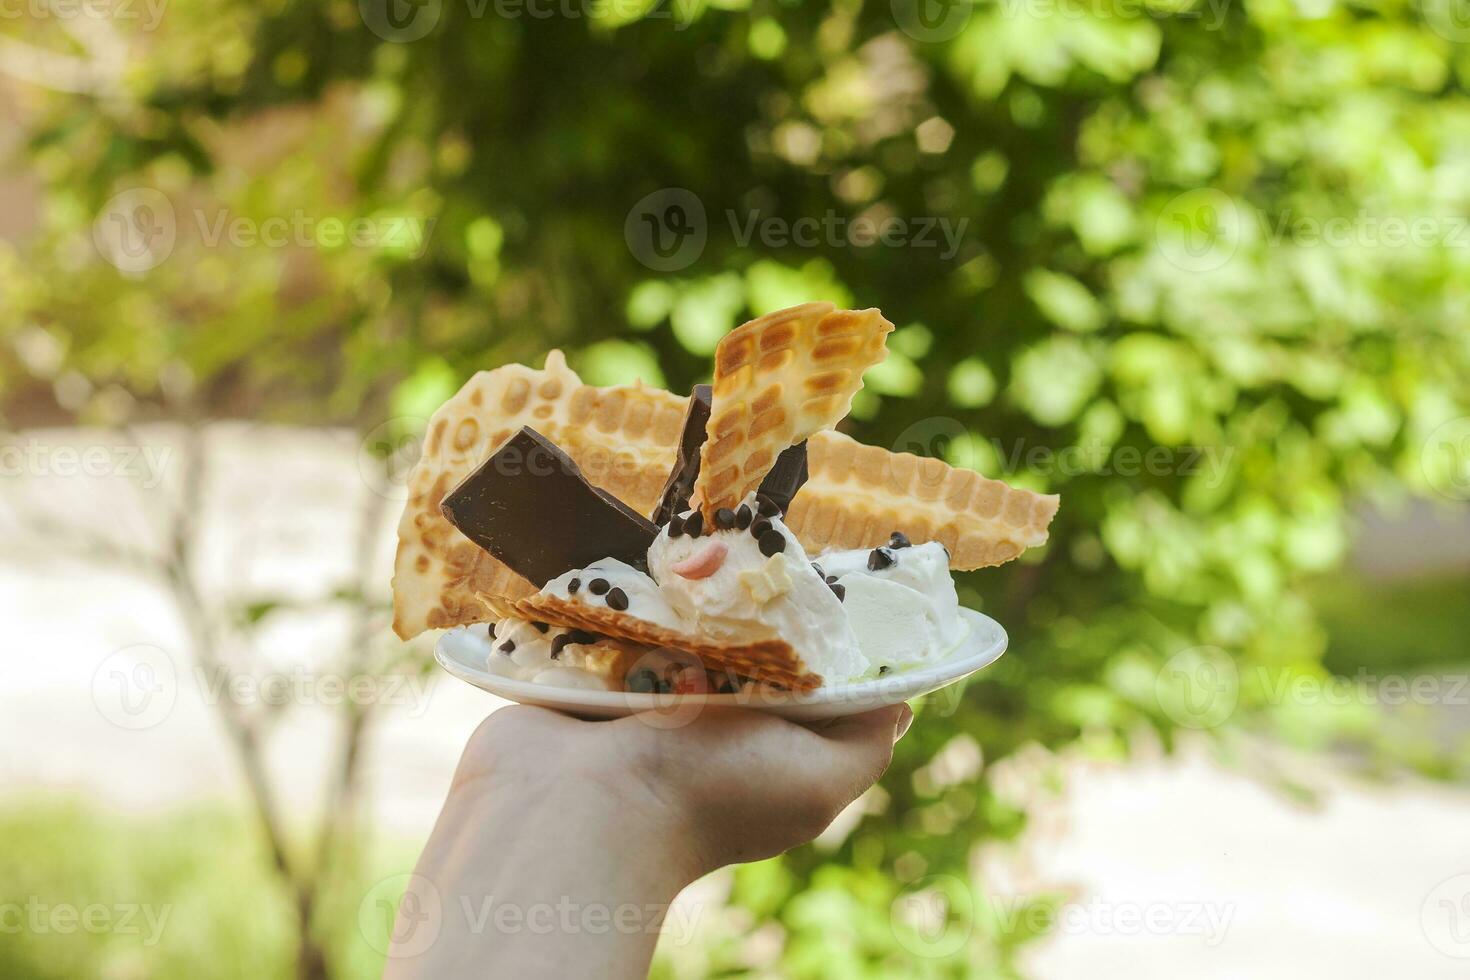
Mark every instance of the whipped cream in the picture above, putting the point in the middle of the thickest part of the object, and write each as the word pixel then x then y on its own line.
pixel 524 651
pixel 754 595
pixel 620 586
pixel 900 600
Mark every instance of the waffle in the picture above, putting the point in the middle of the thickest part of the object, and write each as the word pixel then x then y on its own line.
pixel 858 495
pixel 778 380
pixel 621 437
pixel 769 661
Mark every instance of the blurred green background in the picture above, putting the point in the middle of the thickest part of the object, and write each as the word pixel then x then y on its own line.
pixel 1202 268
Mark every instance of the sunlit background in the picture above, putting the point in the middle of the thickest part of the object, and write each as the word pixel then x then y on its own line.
pixel 1202 268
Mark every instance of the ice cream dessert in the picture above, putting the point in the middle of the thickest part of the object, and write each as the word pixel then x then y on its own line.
pixel 774 550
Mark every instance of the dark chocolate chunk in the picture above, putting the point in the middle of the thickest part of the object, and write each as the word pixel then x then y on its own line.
pixel 773 542
pixel 509 646
pixel 899 540
pixel 680 483
pixel 559 643
pixel 617 599
pixel 676 526
pixel 724 518
pixel 759 527
pixel 492 630
pixel 765 506
pixel 879 558
pixel 786 477
pixel 531 507
pixel 541 627
pixel 839 590
pixel 743 516
pixel 694 524
pixel 599 586
pixel 573 586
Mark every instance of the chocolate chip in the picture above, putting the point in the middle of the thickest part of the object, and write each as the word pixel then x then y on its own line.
pixel 839 590
pixel 899 540
pixel 830 579
pixel 818 569
pixel 509 646
pixel 571 638
pixel 724 518
pixel 573 586
pixel 773 542
pixel 492 630
pixel 882 670
pixel 879 558
pixel 694 524
pixel 759 527
pixel 676 526
pixel 617 599
pixel 541 627
pixel 599 586
pixel 743 517
pixel 765 506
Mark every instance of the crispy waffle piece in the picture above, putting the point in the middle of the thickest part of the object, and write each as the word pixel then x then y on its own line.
pixel 623 439
pixel 858 495
pixel 769 661
pixel 780 379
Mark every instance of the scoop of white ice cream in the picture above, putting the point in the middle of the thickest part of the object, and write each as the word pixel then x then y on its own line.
pixel 609 582
pixel 754 596
pixel 901 601
pixel 524 651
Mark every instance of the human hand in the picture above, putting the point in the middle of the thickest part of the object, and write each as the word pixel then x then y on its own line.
pixel 566 822
pixel 731 785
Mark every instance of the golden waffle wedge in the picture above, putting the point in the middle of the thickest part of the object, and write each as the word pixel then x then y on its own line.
pixel 778 380
pixel 858 495
pixel 622 438
pixel 768 661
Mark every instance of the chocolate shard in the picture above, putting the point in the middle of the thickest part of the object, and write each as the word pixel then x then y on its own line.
pixel 530 506
pixel 786 477
pixel 686 465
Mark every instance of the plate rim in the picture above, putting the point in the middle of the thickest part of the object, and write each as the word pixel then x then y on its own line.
pixel 878 690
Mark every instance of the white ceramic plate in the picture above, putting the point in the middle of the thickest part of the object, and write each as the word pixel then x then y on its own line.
pixel 463 655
